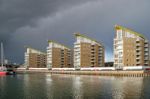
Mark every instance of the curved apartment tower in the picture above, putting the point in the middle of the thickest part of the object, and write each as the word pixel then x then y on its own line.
pixel 58 55
pixel 130 48
pixel 34 58
pixel 87 52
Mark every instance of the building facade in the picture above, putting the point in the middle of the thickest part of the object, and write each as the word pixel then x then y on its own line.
pixel 58 55
pixel 87 52
pixel 130 48
pixel 34 58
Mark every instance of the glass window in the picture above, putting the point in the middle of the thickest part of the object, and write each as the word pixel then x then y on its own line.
pixel 119 34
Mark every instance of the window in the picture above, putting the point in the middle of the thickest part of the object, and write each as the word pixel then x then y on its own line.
pixel 119 34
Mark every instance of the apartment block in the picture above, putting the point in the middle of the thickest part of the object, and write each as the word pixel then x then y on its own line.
pixel 58 55
pixel 87 52
pixel 35 58
pixel 130 48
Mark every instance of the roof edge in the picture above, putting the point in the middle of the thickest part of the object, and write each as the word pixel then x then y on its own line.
pixel 130 30
pixel 82 35
pixel 35 49
pixel 51 41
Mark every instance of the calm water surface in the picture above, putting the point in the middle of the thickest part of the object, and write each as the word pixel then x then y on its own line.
pixel 47 86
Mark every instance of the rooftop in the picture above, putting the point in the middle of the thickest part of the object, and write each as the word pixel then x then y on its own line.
pixel 81 35
pixel 51 41
pixel 35 49
pixel 130 30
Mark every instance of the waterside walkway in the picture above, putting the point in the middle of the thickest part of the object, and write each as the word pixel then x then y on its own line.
pixel 139 73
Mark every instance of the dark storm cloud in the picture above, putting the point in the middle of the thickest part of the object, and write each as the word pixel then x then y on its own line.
pixel 18 13
pixel 33 22
pixel 15 14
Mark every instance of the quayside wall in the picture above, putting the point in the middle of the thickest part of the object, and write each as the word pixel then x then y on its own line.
pixel 136 73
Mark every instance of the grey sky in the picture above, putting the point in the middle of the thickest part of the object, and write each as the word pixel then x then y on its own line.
pixel 33 22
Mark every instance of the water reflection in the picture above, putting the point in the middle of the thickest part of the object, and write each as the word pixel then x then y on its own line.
pixel 77 87
pixel 34 87
pixel 127 88
pixel 2 86
pixel 47 86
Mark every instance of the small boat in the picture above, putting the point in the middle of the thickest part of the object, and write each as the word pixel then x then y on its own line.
pixel 7 72
pixel 11 71
pixel 2 73
pixel 3 69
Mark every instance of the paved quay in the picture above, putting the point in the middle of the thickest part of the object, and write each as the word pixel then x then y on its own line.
pixel 139 73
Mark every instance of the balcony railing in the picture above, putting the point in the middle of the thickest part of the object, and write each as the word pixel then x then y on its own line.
pixel 146 54
pixel 138 57
pixel 146 58
pixel 146 49
pixel 139 48
pixel 138 53
pixel 138 44
pixel 146 45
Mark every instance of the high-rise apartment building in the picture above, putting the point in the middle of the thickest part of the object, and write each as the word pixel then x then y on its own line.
pixel 58 55
pixel 130 48
pixel 34 58
pixel 87 52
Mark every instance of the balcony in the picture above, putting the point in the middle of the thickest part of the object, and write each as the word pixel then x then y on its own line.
pixel 138 48
pixel 146 62
pixel 146 49
pixel 118 43
pixel 100 52
pixel 138 53
pixel 138 44
pixel 92 61
pixel 138 63
pixel 137 39
pixel 76 50
pixel 92 51
pixel 62 57
pixel 100 55
pixel 92 56
pixel 146 41
pixel 146 58
pixel 138 58
pixel 146 54
pixel 146 45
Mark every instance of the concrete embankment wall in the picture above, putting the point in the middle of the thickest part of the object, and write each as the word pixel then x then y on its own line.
pixel 139 73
